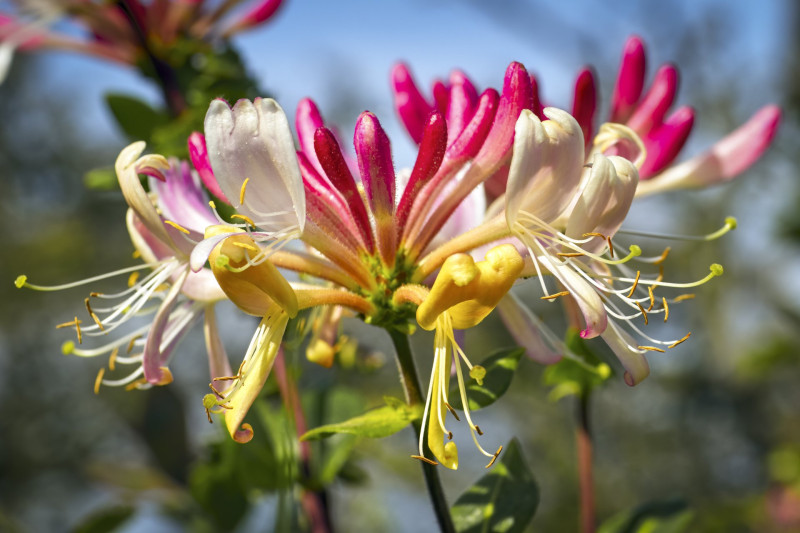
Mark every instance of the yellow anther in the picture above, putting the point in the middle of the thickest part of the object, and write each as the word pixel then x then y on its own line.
pixel 652 297
pixel 610 247
pixel 495 456
pixel 247 246
pixel 554 296
pixel 177 226
pixel 93 315
pixel 425 460
pixel 166 376
pixel 635 283
pixel 135 384
pixel 112 359
pixel 78 330
pixel 663 256
pixel 133 278
pixel 683 297
pixel 241 192
pixel 132 343
pixel 99 380
pixel 246 218
pixel 651 348
pixel 321 352
pixel 449 435
pixel 644 313
pixel 674 344
pixel 570 254
pixel 20 281
pixel 452 411
pixel 136 254
pixel 595 234
pixel 666 308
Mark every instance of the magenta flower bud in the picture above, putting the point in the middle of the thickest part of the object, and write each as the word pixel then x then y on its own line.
pixel 650 112
pixel 411 106
pixel 332 162
pixel 441 96
pixel 664 143
pixel 630 81
pixel 307 120
pixel 537 107
pixel 462 104
pixel 374 155
pixel 198 154
pixel 584 104
pixel 259 14
pixel 429 159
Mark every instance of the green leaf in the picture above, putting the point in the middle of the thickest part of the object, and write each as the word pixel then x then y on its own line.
pixel 105 520
pixel 101 179
pixel 670 516
pixel 134 117
pixel 502 501
pixel 578 374
pixel 377 423
pixel 500 367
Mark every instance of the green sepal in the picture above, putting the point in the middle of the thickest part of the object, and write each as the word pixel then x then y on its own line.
pixel 504 500
pixel 499 367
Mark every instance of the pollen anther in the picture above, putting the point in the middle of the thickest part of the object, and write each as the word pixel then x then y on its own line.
pixel 666 308
pixel 452 411
pixel 644 313
pixel 554 296
pixel 674 344
pixel 635 283
pixel 177 226
pixel 98 380
pixel 425 460
pixel 243 189
pixel 651 348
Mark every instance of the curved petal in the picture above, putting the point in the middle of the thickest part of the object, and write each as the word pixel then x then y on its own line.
pixel 632 358
pixel 252 142
pixel 524 327
pixel 153 358
pixel 585 296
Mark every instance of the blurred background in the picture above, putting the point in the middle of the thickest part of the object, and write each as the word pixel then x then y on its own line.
pixel 716 427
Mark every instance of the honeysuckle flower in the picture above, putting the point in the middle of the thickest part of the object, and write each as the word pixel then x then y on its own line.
pixel 119 31
pixel 364 236
pixel 163 225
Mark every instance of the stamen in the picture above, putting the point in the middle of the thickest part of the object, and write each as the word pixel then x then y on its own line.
pixel 425 460
pixel 652 297
pixel 610 247
pixel 495 456
pixel 478 429
pixel 112 359
pixel 177 227
pixel 136 254
pixel 674 344
pixel 241 192
pixel 666 308
pixel 683 297
pixel 452 411
pixel 133 278
pixel 212 205
pixel 132 343
pixel 93 315
pixel 449 435
pixel 572 254
pixel 135 384
pixel 663 256
pixel 98 380
pixel 78 330
pixel 246 218
pixel 644 313
pixel 595 234
pixel 651 348
pixel 554 296
pixel 635 283
pixel 246 246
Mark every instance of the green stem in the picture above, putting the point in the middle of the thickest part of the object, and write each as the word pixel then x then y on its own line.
pixel 410 380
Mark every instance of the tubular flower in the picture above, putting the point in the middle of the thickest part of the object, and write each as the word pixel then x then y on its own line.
pixel 639 130
pixel 154 312
pixel 364 233
pixel 121 31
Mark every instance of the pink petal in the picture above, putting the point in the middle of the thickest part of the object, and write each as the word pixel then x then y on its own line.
pixel 307 120
pixel 650 112
pixel 665 142
pixel 462 104
pixel 411 106
pixel 584 103
pixel 198 154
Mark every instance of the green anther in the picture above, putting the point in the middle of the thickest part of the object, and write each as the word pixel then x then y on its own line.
pixel 635 250
pixel 716 269
pixel 67 348
pixel 477 373
pixel 21 281
pixel 731 222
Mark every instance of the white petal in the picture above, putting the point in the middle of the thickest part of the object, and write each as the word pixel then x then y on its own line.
pixel 253 140
pixel 584 294
pixel 632 358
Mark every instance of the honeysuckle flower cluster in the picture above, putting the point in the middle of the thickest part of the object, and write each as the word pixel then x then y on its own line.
pixel 400 247
pixel 120 31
